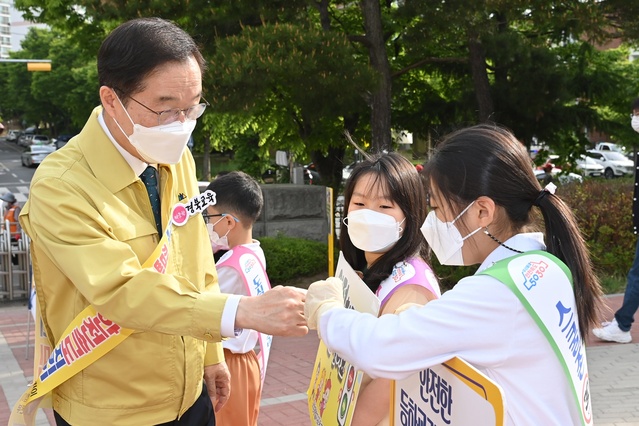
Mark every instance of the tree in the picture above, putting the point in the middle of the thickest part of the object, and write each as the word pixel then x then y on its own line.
pixel 58 100
pixel 296 81
pixel 438 65
pixel 519 61
pixel 380 97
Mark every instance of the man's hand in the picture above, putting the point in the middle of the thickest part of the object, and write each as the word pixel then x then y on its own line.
pixel 279 312
pixel 218 384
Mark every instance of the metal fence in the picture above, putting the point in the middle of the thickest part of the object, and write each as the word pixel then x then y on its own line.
pixel 15 265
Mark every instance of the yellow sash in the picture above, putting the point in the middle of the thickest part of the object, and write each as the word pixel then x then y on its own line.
pixel 90 335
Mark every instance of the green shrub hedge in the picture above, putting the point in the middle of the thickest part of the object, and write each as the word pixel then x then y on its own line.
pixel 603 209
pixel 292 258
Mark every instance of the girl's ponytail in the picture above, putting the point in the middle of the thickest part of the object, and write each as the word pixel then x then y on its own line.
pixel 487 160
pixel 564 240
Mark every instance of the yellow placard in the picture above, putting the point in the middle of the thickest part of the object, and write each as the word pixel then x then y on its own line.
pixel 335 384
pixel 450 394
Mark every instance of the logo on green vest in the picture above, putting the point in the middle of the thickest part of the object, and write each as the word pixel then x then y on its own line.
pixel 533 272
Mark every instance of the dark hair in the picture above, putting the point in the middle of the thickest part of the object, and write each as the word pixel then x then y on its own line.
pixel 136 48
pixel 489 161
pixel 399 180
pixel 238 194
pixel 635 104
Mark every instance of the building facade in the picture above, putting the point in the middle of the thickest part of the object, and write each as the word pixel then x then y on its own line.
pixel 5 29
pixel 13 28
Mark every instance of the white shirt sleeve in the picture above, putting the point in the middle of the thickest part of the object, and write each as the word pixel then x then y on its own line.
pixel 227 327
pixel 473 321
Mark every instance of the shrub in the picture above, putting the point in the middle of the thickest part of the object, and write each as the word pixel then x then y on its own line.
pixel 603 209
pixel 290 258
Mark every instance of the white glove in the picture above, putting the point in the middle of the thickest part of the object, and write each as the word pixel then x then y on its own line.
pixel 321 297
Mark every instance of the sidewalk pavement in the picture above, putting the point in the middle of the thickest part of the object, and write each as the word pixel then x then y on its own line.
pixel 614 372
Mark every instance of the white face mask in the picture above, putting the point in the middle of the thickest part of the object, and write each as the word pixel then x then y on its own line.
pixel 635 123
pixel 162 144
pixel 372 231
pixel 445 239
pixel 217 243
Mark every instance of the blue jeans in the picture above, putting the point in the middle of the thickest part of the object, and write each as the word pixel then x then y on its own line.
pixel 625 314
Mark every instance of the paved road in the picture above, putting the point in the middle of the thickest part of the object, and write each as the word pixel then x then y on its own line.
pixel 13 176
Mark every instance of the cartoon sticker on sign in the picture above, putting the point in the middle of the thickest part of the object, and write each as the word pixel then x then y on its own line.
pixel 335 383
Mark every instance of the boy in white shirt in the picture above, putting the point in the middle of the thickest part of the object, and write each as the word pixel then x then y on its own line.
pixel 241 269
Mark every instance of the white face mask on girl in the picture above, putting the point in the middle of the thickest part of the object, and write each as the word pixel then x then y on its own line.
pixel 635 123
pixel 162 144
pixel 372 231
pixel 445 239
pixel 217 243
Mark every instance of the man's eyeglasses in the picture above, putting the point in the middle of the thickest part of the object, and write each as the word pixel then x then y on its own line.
pixel 170 115
pixel 208 217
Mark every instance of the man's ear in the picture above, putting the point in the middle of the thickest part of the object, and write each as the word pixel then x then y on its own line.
pixel 485 211
pixel 108 100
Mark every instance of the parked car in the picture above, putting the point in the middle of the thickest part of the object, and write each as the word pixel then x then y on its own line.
pixel 556 175
pixel 610 146
pixel 40 140
pixel 61 140
pixel 34 154
pixel 589 167
pixel 25 139
pixel 615 164
pixel 13 135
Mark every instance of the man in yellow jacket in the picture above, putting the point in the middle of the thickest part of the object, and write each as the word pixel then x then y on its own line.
pixel 93 223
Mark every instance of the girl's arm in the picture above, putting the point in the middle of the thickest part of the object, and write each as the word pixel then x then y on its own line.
pixel 373 402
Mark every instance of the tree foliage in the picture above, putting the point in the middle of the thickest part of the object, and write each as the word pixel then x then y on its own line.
pixel 57 100
pixel 295 74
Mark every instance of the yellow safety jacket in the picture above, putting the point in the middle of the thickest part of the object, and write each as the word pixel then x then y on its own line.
pixel 91 226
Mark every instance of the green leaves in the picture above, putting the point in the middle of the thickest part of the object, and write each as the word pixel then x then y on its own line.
pixel 59 100
pixel 311 73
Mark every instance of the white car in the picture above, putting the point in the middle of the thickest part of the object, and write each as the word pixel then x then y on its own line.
pixel 563 178
pixel 614 163
pixel 589 167
pixel 13 135
pixel 609 146
pixel 34 154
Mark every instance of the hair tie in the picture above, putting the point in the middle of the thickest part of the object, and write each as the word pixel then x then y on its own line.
pixel 549 189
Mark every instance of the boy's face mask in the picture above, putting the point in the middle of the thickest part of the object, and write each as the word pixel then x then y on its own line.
pixel 217 243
